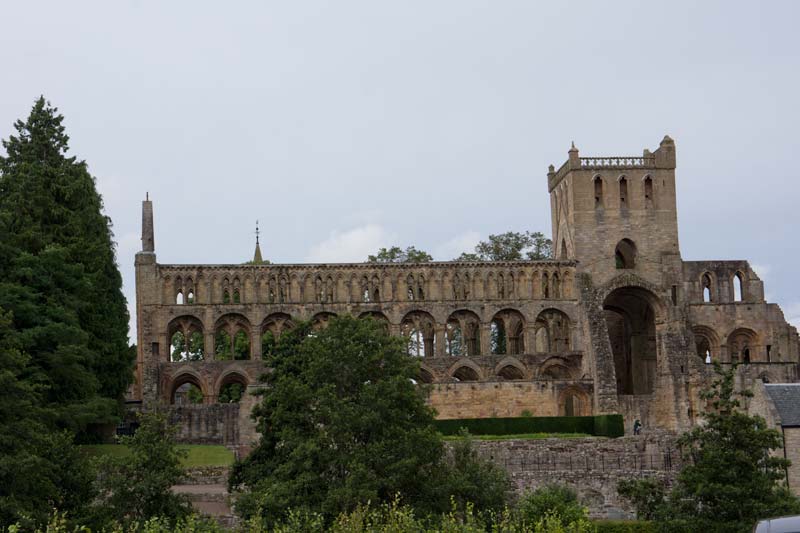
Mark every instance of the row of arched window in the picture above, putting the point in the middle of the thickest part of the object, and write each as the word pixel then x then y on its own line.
pixel 710 287
pixel 742 345
pixel 462 335
pixel 509 369
pixel 188 389
pixel 622 189
pixel 278 289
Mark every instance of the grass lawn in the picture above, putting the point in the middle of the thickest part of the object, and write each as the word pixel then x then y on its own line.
pixel 199 455
pixel 523 436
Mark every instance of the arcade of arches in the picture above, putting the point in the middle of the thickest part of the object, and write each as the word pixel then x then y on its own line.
pixel 463 335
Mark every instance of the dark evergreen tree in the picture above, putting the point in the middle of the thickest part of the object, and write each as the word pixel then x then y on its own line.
pixel 58 273
pixel 39 469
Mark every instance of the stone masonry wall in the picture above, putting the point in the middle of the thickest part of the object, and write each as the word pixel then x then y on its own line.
pixel 509 398
pixel 592 466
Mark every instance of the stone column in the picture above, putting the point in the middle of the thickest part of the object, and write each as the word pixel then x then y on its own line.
pixel 208 349
pixel 486 338
pixel 439 341
pixel 255 344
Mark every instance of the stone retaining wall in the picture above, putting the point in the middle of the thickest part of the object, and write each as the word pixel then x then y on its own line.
pixel 592 466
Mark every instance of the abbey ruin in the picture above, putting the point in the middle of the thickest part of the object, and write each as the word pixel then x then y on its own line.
pixel 616 322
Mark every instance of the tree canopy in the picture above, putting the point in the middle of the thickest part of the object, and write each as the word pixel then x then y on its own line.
pixel 395 254
pixel 511 246
pixel 58 274
pixel 138 487
pixel 343 423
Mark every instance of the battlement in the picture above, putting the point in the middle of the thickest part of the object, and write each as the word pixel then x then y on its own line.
pixel 664 157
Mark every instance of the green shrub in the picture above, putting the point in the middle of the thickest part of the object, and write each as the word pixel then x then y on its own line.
pixel 624 526
pixel 554 499
pixel 601 425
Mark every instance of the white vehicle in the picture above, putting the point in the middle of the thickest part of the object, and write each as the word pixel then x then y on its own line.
pixel 784 524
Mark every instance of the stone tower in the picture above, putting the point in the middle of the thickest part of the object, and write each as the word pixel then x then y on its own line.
pixel 612 213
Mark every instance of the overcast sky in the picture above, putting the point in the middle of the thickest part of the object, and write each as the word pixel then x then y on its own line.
pixel 345 126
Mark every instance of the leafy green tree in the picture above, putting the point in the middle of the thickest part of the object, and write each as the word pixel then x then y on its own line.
pixel 511 246
pixel 558 500
pixel 475 480
pixel 341 424
pixel 646 495
pixel 231 393
pixel 730 478
pixel 58 273
pixel 137 487
pixel 397 255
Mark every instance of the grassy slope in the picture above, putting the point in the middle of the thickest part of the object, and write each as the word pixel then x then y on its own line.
pixel 198 455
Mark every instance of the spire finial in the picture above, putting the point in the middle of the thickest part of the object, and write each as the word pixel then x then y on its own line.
pixel 147 196
pixel 257 258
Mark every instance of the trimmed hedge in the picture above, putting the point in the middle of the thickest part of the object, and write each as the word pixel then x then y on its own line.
pixel 599 425
pixel 624 526
pixel 609 425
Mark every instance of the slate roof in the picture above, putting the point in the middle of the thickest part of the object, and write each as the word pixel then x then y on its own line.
pixel 786 398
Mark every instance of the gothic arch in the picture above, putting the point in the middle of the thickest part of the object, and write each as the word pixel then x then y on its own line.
pixel 707 343
pixel 507 329
pixel 511 369
pixel 236 374
pixel 465 371
pixel 462 332
pixel 322 319
pixel 231 387
pixel 743 346
pixel 573 401
pixel 558 329
pixel 419 328
pixel 555 368
pixel 738 287
pixel 708 287
pixel 632 314
pixel 272 328
pixel 182 378
pixel 232 334
pixel 182 342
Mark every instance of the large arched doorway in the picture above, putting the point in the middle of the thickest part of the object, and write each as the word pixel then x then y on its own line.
pixel 631 321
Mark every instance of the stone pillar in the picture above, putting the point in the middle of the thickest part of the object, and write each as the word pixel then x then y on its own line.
pixel 486 339
pixel 440 341
pixel 529 334
pixel 208 349
pixel 148 232
pixel 255 344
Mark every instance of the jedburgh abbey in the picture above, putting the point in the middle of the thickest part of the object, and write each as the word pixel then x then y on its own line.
pixel 615 322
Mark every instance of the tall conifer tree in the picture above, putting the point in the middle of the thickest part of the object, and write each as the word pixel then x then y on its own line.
pixel 58 272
